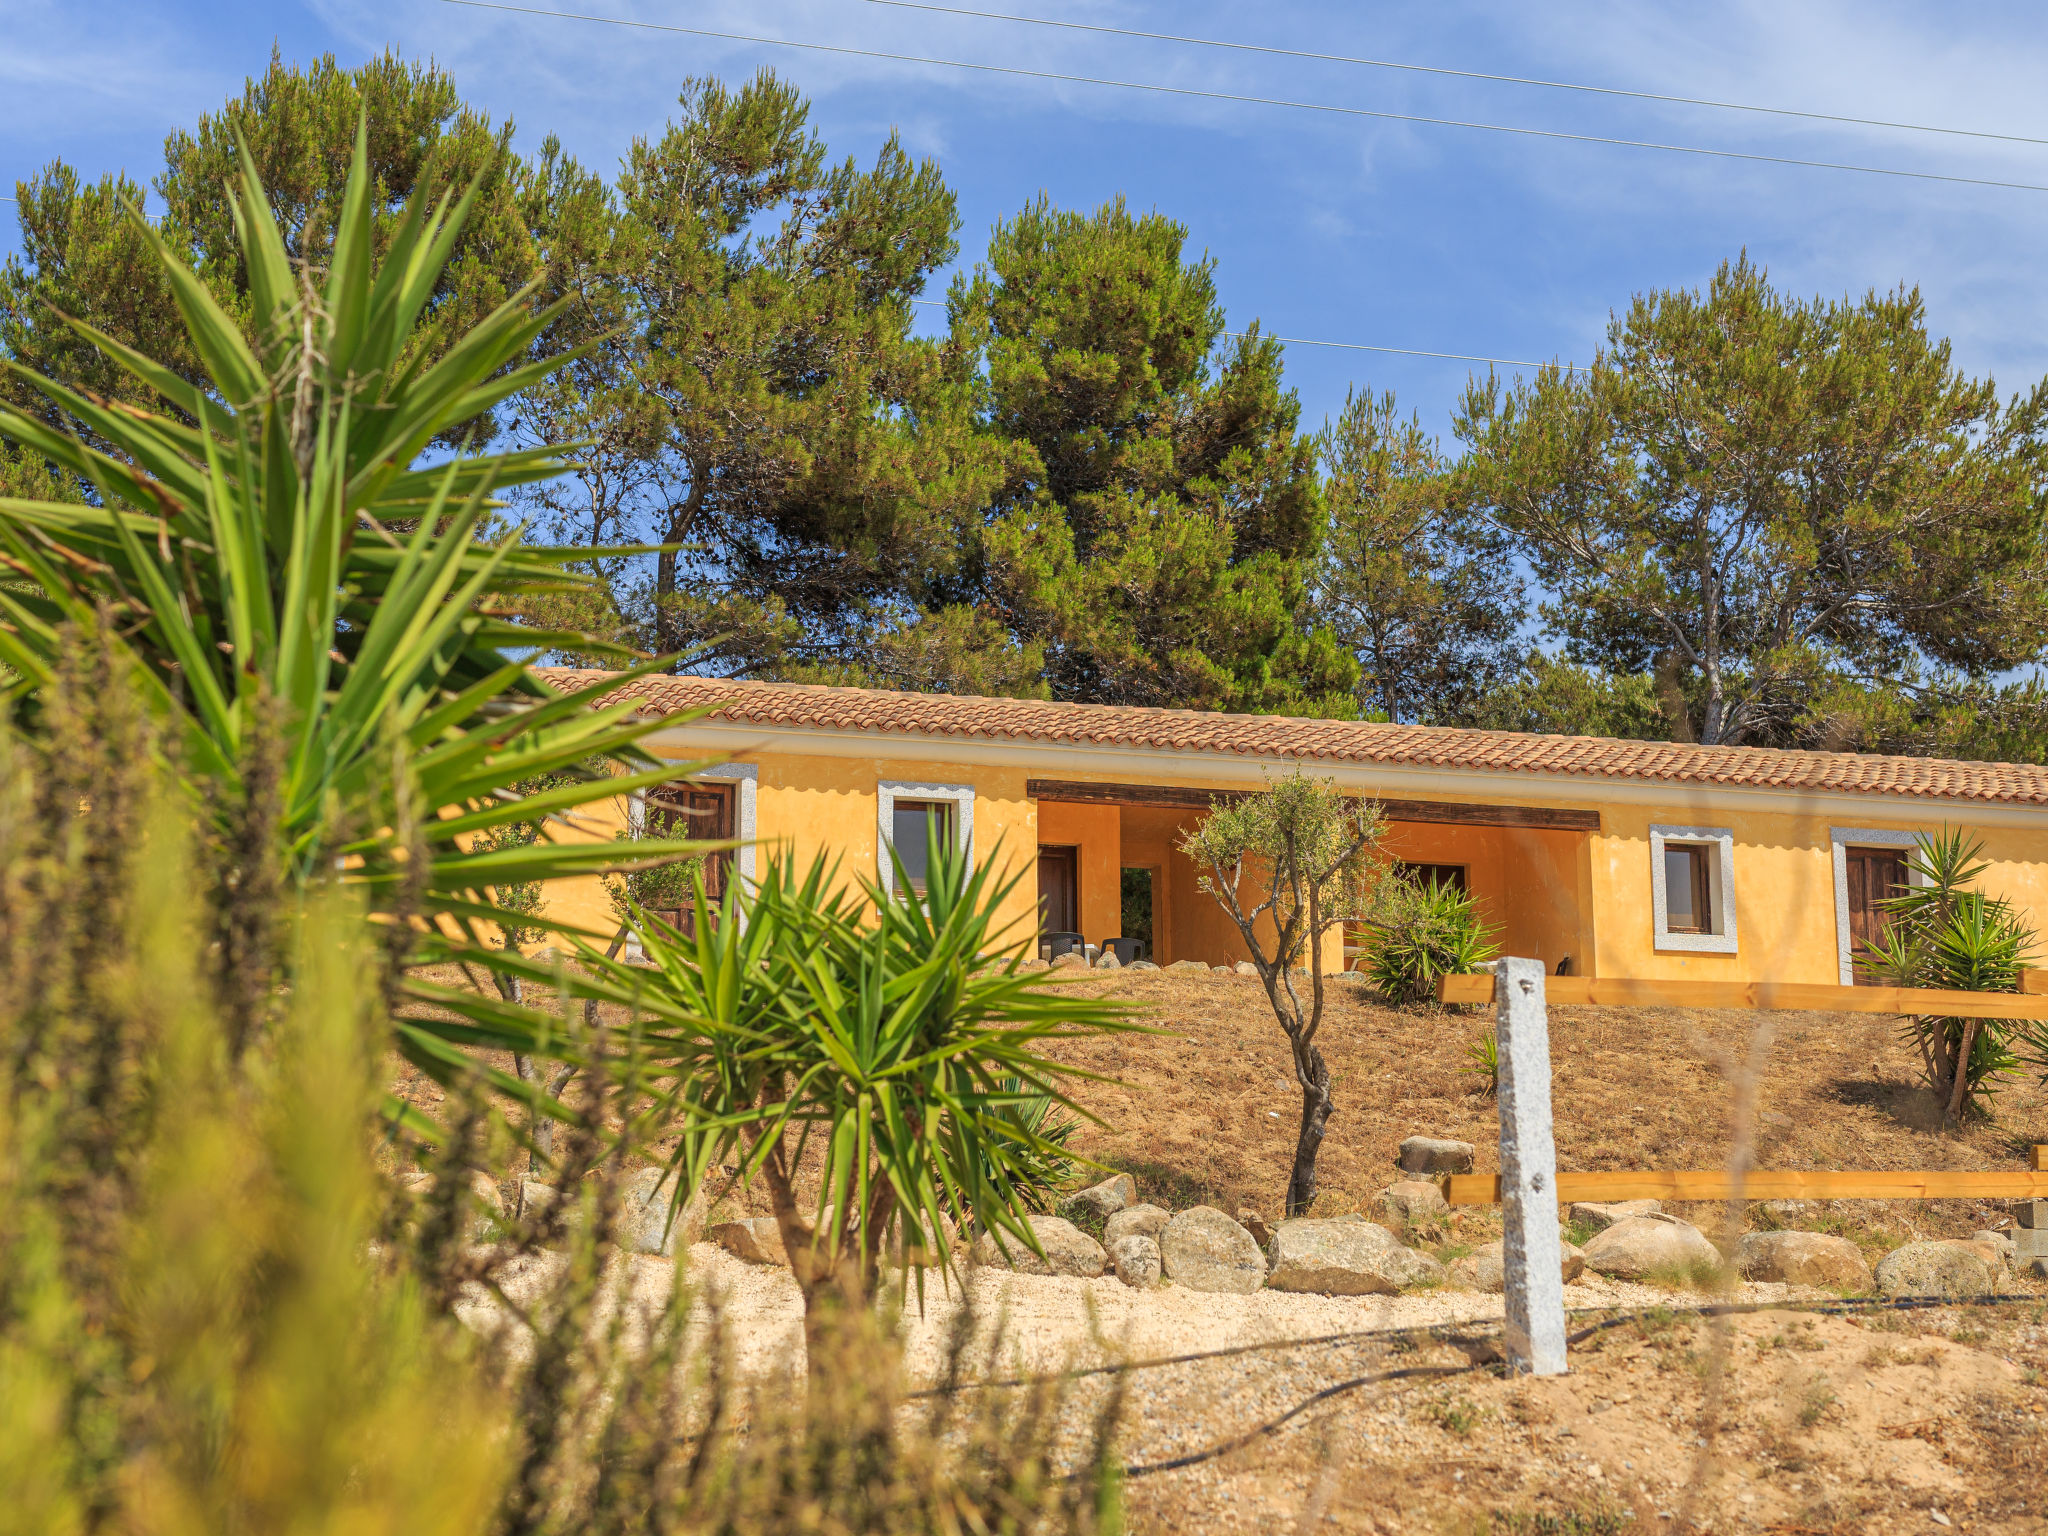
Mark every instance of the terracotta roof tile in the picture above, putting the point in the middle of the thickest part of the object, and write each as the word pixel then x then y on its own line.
pixel 1333 741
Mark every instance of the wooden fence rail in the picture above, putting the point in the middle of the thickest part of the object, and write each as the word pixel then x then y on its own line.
pixel 1770 1184
pixel 1817 997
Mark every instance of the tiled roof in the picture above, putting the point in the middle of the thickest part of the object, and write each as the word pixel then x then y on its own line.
pixel 1331 741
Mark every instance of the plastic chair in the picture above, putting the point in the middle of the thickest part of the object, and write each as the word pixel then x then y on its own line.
pixel 1056 944
pixel 1127 950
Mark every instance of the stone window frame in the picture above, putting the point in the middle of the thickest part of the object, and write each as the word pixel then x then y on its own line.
pixel 889 791
pixel 1720 891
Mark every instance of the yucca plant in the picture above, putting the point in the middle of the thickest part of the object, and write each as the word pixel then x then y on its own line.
pixel 870 1039
pixel 1941 931
pixel 345 695
pixel 1435 930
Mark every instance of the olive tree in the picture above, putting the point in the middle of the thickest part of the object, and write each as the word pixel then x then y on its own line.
pixel 1303 858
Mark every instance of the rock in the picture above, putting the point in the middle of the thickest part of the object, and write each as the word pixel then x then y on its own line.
pixel 1246 968
pixel 1189 965
pixel 1485 1267
pixel 1141 965
pixel 486 1206
pixel 537 1199
pixel 1136 1260
pixel 1109 961
pixel 1802 1258
pixel 1205 1250
pixel 1408 1201
pixel 644 1198
pixel 1428 1154
pixel 1255 1224
pixel 1220 970
pixel 1068 1250
pixel 1935 1269
pixel 1071 962
pixel 1104 1200
pixel 1638 1245
pixel 1997 1252
pixel 1782 1211
pixel 2000 1243
pixel 756 1239
pixel 1344 1258
pixel 1600 1216
pixel 1034 964
pixel 1135 1221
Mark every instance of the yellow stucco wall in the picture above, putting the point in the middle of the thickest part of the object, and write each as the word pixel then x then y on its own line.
pixel 1552 893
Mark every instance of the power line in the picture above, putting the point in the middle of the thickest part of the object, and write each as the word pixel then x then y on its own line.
pixel 1360 346
pixel 1256 101
pixel 1456 74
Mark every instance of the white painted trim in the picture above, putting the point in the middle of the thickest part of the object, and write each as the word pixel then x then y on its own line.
pixel 1148 765
pixel 889 791
pixel 1841 840
pixel 1720 890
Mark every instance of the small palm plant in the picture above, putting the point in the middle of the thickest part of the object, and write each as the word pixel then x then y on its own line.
pixel 1435 930
pixel 343 696
pixel 868 1039
pixel 1943 932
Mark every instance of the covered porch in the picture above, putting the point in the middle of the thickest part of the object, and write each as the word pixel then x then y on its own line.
pixel 1110 866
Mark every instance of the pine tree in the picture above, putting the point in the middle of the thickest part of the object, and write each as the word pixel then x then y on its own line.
pixel 1421 589
pixel 1154 533
pixel 1754 500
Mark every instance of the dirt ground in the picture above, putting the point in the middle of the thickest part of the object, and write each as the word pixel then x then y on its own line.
pixel 1780 1421
pixel 1207 1113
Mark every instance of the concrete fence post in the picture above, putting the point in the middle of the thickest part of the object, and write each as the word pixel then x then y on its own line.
pixel 1531 1256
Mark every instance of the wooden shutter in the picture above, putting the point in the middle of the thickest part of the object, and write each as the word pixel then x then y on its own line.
pixel 1875 875
pixel 705 811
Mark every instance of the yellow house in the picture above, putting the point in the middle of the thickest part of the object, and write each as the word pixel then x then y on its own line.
pixel 1601 858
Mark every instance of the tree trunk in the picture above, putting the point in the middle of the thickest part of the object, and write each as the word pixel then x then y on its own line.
pixel 1959 1084
pixel 1316 1109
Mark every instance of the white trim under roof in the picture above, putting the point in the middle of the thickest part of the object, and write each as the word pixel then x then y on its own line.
pixel 1147 765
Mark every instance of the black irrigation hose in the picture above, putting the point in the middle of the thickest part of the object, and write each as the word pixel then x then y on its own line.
pixel 1448 1334
pixel 1712 1309
pixel 1193 1458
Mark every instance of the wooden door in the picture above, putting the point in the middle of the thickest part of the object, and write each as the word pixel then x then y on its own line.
pixel 1059 903
pixel 701 811
pixel 1875 874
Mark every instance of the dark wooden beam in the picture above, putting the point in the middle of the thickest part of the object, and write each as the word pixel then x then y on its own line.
pixel 1440 812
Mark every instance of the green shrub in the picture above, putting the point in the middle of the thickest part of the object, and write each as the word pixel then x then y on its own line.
pixel 1942 932
pixel 1482 1060
pixel 1435 930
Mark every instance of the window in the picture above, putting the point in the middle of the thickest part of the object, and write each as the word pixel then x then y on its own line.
pixel 920 825
pixel 906 817
pixel 1693 878
pixel 1452 875
pixel 714 804
pixel 1870 867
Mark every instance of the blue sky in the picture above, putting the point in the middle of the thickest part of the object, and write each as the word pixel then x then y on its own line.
pixel 1341 229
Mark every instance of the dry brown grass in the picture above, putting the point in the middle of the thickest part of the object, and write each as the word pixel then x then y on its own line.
pixel 1209 1112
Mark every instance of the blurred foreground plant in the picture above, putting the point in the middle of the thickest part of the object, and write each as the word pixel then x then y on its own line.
pixel 342 694
pixel 228 1304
